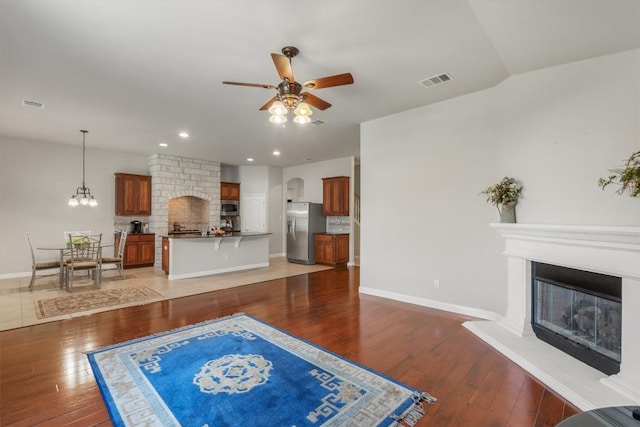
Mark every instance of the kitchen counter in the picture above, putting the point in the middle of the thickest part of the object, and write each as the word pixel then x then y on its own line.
pixel 189 255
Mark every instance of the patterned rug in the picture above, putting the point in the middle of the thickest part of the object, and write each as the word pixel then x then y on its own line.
pixel 239 371
pixel 84 301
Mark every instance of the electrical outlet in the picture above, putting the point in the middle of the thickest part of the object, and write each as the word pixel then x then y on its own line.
pixel 436 283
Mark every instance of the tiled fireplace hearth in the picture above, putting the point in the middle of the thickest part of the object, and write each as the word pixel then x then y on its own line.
pixel 613 251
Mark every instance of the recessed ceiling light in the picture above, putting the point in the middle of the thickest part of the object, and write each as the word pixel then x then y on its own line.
pixel 276 153
pixel 250 159
pixel 163 144
pixel 183 135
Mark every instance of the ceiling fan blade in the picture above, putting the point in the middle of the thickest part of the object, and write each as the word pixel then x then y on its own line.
pixel 337 80
pixel 283 65
pixel 268 104
pixel 265 86
pixel 320 104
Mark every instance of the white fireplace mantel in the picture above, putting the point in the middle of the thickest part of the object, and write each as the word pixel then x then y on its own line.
pixel 601 249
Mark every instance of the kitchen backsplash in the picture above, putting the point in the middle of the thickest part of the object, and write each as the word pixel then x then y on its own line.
pixel 123 223
pixel 338 224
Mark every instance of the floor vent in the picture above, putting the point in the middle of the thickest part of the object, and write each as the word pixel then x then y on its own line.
pixel 32 104
pixel 316 123
pixel 435 80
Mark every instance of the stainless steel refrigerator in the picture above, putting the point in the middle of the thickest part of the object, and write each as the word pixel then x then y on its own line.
pixel 303 221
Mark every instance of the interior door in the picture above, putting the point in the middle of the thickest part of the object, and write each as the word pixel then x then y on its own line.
pixel 254 213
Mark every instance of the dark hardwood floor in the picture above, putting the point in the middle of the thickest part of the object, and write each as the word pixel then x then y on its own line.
pixel 45 378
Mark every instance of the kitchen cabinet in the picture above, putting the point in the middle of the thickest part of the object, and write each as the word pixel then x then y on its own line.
pixel 165 255
pixel 229 191
pixel 139 250
pixel 133 194
pixel 335 196
pixel 332 249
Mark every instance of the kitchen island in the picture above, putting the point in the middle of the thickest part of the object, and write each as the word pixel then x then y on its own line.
pixel 185 256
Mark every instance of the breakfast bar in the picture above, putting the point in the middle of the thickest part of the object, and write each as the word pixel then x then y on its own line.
pixel 185 256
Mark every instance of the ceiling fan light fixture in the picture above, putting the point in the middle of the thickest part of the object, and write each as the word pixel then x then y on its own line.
pixel 302 119
pixel 278 118
pixel 291 98
pixel 278 108
pixel 303 109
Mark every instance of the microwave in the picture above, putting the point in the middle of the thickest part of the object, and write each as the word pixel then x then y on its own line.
pixel 229 208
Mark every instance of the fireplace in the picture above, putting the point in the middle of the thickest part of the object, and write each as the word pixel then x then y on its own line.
pixel 605 250
pixel 578 312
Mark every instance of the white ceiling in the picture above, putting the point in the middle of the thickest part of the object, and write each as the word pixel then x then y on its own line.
pixel 135 73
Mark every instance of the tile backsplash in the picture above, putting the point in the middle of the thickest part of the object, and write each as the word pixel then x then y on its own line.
pixel 123 223
pixel 338 224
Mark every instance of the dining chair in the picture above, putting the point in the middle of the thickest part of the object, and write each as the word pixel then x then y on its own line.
pixel 67 253
pixel 116 260
pixel 84 255
pixel 76 233
pixel 43 266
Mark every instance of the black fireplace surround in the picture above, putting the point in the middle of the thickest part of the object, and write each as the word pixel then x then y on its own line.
pixel 578 312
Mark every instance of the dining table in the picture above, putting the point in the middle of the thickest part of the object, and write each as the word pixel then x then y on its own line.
pixel 61 251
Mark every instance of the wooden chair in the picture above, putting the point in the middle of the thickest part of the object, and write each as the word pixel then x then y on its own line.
pixel 118 259
pixel 84 255
pixel 45 266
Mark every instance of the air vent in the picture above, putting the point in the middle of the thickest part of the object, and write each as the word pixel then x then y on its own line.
pixel 435 80
pixel 316 123
pixel 32 104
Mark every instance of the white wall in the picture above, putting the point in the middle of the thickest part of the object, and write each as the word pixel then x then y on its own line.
pixel 275 213
pixel 557 130
pixel 36 181
pixel 253 180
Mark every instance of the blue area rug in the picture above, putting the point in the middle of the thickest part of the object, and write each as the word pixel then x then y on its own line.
pixel 239 371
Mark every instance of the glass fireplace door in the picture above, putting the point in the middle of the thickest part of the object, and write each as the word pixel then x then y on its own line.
pixel 590 320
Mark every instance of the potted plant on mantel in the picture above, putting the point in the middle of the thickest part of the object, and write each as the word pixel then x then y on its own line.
pixel 627 177
pixel 504 195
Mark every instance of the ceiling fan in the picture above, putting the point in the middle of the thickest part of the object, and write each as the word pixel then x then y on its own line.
pixel 290 96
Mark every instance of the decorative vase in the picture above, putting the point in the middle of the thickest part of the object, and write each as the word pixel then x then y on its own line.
pixel 508 212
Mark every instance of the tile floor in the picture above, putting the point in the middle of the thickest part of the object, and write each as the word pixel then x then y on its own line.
pixel 17 303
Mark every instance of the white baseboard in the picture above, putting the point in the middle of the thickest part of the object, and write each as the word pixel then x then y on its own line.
pixel 454 308
pixel 15 275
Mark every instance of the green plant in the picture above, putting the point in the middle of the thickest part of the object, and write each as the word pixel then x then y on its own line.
pixel 506 191
pixel 627 177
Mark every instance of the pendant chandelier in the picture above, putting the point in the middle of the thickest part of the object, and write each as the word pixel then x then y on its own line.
pixel 83 194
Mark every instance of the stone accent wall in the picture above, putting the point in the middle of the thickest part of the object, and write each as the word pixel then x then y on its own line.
pixel 175 176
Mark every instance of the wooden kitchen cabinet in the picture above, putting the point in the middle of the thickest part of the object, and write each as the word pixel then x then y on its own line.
pixel 335 196
pixel 165 255
pixel 229 191
pixel 139 250
pixel 133 194
pixel 332 249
